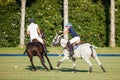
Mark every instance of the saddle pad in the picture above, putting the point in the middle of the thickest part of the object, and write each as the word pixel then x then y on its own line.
pixel 75 47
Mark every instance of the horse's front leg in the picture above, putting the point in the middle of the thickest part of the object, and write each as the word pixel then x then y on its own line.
pixel 58 64
pixel 64 58
pixel 74 65
pixel 49 62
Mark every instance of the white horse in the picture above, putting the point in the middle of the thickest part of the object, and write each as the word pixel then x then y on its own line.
pixel 83 51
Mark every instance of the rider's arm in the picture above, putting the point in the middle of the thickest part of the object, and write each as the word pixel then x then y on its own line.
pixel 64 32
pixel 28 32
pixel 38 30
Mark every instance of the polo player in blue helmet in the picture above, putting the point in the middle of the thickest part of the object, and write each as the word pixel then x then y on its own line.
pixel 75 37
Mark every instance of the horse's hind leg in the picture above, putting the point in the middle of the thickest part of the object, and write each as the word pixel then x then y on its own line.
pixel 43 59
pixel 42 62
pixel 49 62
pixel 100 64
pixel 31 60
pixel 90 64
pixel 103 68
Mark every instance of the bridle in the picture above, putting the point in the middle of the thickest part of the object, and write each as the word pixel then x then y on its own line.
pixel 57 40
pixel 56 43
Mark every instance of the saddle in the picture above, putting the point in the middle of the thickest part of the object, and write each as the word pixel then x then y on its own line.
pixel 44 46
pixel 72 47
pixel 81 42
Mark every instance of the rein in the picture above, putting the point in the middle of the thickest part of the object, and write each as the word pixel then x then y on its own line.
pixel 59 39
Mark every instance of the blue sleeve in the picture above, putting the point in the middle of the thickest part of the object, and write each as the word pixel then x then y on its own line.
pixel 72 32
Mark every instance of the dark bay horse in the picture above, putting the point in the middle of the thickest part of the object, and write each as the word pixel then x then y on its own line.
pixel 36 48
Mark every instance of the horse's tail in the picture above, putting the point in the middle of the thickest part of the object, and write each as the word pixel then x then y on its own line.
pixel 92 46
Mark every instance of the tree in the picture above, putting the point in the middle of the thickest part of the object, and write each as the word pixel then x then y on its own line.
pixel 22 36
pixel 112 24
pixel 65 16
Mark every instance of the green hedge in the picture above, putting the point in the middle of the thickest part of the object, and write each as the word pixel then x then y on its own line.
pixel 9 25
pixel 90 19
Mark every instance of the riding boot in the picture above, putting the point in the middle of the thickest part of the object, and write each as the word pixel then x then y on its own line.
pixel 71 50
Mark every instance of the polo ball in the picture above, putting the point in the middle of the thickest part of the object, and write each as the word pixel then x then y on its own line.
pixel 16 67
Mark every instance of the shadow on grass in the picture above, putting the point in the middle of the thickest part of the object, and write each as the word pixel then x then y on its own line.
pixel 37 67
pixel 62 69
pixel 71 70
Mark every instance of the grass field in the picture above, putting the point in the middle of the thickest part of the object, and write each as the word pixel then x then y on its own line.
pixel 23 72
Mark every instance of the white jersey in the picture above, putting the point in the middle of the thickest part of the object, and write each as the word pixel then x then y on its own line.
pixel 32 28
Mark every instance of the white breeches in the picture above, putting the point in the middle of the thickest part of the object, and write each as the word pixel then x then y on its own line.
pixel 38 38
pixel 75 39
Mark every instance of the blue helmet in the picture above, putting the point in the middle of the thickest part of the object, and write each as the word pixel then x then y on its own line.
pixel 69 24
